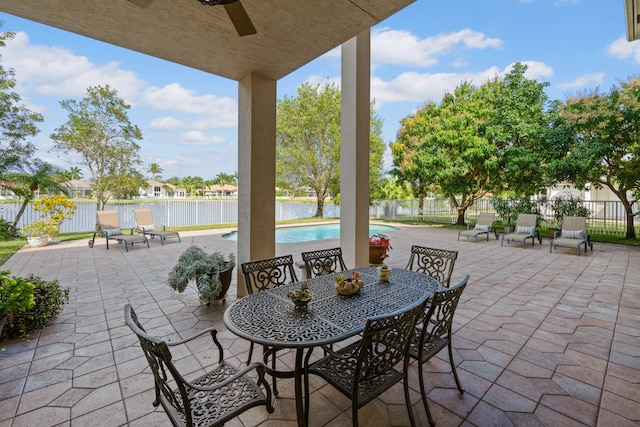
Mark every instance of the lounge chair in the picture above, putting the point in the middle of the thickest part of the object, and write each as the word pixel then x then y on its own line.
pixel 109 227
pixel 484 225
pixel 145 225
pixel 573 234
pixel 525 229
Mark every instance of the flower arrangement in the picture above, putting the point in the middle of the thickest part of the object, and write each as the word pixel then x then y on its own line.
pixel 301 295
pixel 53 211
pixel 348 285
pixel 380 240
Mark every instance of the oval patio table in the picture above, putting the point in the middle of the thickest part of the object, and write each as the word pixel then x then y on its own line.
pixel 269 318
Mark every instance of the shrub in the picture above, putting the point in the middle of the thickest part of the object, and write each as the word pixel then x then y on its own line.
pixel 7 230
pixel 49 300
pixel 16 294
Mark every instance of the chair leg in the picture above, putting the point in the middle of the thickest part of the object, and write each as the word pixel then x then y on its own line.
pixel 423 392
pixel 453 369
pixel 407 400
pixel 250 353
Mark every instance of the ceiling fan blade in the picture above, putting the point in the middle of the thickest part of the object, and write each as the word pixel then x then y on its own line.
pixel 239 18
pixel 142 3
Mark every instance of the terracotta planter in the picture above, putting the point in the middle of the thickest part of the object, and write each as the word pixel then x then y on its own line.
pixel 225 283
pixel 377 254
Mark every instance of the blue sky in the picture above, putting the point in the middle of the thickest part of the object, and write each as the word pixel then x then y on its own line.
pixel 189 118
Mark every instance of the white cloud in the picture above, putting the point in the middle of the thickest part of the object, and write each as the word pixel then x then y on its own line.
pixel 584 81
pixel 219 112
pixel 622 49
pixel 166 123
pixel 199 138
pixel 535 70
pixel 58 72
pixel 399 47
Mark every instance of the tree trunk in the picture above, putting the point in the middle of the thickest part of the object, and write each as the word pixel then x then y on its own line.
pixel 631 231
pixel 420 207
pixel 20 212
pixel 320 208
pixel 460 220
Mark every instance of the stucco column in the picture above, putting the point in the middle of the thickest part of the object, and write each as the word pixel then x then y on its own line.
pixel 256 171
pixel 354 150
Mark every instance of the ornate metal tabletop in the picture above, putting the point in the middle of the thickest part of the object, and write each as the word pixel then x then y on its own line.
pixel 270 318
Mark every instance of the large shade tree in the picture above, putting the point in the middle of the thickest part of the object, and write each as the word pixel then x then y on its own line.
pixel 17 124
pixel 308 142
pixel 605 149
pixel 99 131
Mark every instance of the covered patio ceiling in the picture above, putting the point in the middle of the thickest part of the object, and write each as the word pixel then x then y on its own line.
pixel 290 33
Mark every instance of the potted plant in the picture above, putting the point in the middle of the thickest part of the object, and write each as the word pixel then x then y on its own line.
pixel 562 205
pixel 379 245
pixel 348 285
pixel 53 211
pixel 210 271
pixel 384 272
pixel 16 296
pixel 300 296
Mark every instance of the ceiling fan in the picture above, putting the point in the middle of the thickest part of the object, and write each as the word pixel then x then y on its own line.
pixel 236 12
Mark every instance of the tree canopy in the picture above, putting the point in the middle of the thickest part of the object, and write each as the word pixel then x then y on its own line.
pixel 605 144
pixel 99 131
pixel 308 141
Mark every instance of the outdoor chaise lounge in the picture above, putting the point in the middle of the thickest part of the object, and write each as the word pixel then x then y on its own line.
pixel 109 227
pixel 145 224
pixel 484 225
pixel 573 234
pixel 525 229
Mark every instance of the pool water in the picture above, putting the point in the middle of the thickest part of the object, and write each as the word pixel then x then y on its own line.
pixel 310 233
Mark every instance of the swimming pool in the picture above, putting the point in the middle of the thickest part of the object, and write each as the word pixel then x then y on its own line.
pixel 309 233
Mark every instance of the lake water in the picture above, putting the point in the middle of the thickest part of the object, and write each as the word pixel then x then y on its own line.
pixel 310 233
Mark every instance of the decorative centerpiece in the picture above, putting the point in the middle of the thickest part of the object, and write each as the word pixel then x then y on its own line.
pixel 300 296
pixel 384 272
pixel 348 285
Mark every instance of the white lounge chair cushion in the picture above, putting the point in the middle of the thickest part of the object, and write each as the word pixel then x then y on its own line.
pixel 482 227
pixel 572 234
pixel 114 232
pixel 150 227
pixel 524 230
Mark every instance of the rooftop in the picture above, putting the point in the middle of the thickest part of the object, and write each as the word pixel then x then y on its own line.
pixel 540 338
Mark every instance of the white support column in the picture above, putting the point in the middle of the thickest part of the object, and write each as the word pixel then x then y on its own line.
pixel 256 171
pixel 354 150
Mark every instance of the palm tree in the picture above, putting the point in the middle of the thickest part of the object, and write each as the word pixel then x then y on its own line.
pixel 74 172
pixel 43 177
pixel 155 171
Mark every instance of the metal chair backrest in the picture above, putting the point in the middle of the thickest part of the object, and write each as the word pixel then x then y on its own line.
pixel 324 261
pixel 269 273
pixel 437 263
pixel 385 342
pixel 165 375
pixel 438 321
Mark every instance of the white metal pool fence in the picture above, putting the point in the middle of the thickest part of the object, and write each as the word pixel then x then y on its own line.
pixel 606 217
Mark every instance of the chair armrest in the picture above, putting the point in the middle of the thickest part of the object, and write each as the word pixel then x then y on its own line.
pixel 196 335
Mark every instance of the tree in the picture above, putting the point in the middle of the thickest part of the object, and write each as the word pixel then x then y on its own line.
pixel 446 145
pixel 39 177
pixel 154 170
pixel 308 141
pixel 605 147
pixel 17 123
pixel 100 132
pixel 225 178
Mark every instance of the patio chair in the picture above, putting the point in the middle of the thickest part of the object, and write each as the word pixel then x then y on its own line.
pixel 525 229
pixel 324 261
pixel 573 234
pixel 484 225
pixel 367 368
pixel 145 225
pixel 434 333
pixel 437 263
pixel 266 274
pixel 109 227
pixel 211 399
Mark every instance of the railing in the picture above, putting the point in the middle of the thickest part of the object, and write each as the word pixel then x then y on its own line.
pixel 607 217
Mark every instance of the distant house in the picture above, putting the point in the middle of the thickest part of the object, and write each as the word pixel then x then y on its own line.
pixel 79 188
pixel 159 190
pixel 217 190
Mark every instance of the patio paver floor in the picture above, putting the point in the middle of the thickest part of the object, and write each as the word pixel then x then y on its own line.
pixel 540 338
